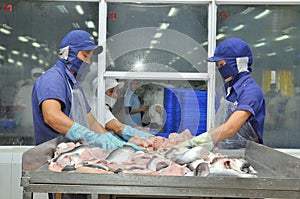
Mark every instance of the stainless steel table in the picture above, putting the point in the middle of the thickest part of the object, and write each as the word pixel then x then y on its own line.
pixel 278 177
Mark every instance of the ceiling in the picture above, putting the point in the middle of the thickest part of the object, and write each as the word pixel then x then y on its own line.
pixel 46 23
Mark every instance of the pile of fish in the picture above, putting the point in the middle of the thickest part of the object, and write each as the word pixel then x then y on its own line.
pixel 162 157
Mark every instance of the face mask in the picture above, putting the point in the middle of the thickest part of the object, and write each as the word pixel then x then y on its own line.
pixel 229 69
pixel 110 101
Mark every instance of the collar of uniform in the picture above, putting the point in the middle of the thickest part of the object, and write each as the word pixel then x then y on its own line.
pixel 70 76
pixel 240 82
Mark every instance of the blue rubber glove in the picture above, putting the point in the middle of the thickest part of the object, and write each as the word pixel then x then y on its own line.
pixel 106 141
pixel 203 139
pixel 128 132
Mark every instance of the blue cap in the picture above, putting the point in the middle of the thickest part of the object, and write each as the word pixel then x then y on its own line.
pixel 80 40
pixel 231 48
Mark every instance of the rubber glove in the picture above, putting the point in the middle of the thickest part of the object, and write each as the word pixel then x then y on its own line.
pixel 106 141
pixel 120 142
pixel 128 132
pixel 203 139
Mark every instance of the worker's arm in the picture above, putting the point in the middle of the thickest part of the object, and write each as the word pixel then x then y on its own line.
pixel 129 110
pixel 226 130
pixel 95 125
pixel 115 126
pixel 231 126
pixel 54 117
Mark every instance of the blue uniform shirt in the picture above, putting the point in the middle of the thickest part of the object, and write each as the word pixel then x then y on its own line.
pixel 53 84
pixel 249 97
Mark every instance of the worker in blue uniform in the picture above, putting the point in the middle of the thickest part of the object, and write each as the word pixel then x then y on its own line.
pixel 241 113
pixel 58 102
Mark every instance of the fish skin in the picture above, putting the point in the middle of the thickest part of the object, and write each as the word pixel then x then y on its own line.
pixel 98 166
pixel 191 155
pixel 157 163
pixel 77 150
pixel 122 154
pixel 202 169
pixel 69 168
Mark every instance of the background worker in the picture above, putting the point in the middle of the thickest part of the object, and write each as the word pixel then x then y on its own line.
pixel 111 123
pixel 133 107
pixel 23 98
pixel 241 113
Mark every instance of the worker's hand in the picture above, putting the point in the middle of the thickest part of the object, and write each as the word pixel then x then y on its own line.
pixel 106 141
pixel 120 143
pixel 129 132
pixel 203 139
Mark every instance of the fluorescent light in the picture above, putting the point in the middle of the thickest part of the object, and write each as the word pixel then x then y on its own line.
pixel 259 44
pixel 95 33
pixel 264 13
pixel 220 36
pixel 157 35
pixel 10 60
pixel 2 48
pixel 35 44
pixel 79 9
pixel 62 9
pixel 5 31
pixel 249 9
pixel 90 24
pixel 154 41
pixel 76 25
pixel 15 52
pixel 164 25
pixel 25 55
pixel 33 57
pixel 239 27
pixel 283 37
pixel 271 54
pixel 1 57
pixel 173 12
pixel 41 61
pixel 19 63
pixel 22 39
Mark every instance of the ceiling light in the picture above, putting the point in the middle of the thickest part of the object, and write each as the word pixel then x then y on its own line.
pixel 90 24
pixel 79 9
pixel 220 36
pixel 33 57
pixel 239 27
pixel 19 63
pixel 75 25
pixel 1 57
pixel 264 13
pixel 25 55
pixel 283 37
pixel 271 54
pixel 62 9
pixel 164 25
pixel 95 34
pixel 35 44
pixel 173 12
pixel 2 48
pixel 15 52
pixel 5 31
pixel 249 9
pixel 154 41
pixel 22 39
pixel 10 60
pixel 157 35
pixel 259 44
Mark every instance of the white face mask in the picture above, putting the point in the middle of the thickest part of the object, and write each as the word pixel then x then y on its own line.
pixel 110 101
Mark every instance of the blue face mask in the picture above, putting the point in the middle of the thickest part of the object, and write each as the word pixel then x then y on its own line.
pixel 229 69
